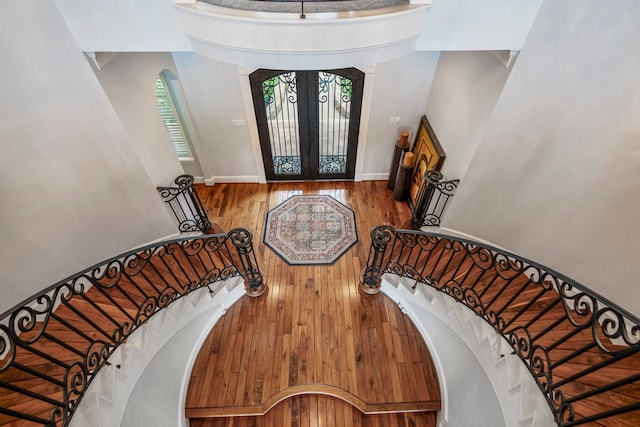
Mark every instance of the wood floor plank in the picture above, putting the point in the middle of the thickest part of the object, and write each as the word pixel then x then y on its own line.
pixel 313 328
pixel 313 331
pixel 320 411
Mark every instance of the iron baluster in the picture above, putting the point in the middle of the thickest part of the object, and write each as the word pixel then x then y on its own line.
pixel 75 325
pixel 371 276
pixel 580 348
pixel 253 279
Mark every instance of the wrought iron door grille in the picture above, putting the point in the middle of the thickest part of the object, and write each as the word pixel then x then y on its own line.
pixel 281 103
pixel 333 164
pixel 287 165
pixel 334 108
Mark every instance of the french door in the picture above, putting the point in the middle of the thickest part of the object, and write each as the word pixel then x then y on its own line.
pixel 308 122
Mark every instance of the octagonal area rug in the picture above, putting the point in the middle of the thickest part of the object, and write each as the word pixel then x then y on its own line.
pixel 310 229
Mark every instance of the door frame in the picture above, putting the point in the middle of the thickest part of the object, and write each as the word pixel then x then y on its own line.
pixel 308 125
pixel 252 126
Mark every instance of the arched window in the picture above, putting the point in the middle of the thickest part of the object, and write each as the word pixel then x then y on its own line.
pixel 171 116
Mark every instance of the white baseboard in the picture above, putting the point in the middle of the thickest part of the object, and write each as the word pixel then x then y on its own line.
pixel 232 179
pixel 377 176
pixel 198 179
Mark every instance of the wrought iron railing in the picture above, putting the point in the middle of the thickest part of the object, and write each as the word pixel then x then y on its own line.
pixel 351 5
pixel 582 350
pixel 432 199
pixel 185 205
pixel 53 345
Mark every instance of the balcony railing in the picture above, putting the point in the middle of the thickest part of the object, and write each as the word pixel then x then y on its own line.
pixel 582 350
pixel 316 6
pixel 53 345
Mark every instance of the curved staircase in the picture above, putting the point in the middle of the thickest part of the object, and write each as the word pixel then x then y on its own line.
pixel 579 350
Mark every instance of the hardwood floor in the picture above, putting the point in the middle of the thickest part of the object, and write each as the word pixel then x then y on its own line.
pixel 313 331
pixel 311 317
pixel 318 410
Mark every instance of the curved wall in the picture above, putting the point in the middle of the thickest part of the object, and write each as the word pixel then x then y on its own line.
pixel 284 41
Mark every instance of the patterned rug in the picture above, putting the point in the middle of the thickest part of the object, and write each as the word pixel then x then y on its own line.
pixel 310 230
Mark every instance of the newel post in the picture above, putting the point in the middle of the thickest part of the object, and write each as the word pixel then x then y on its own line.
pixel 371 276
pixel 254 282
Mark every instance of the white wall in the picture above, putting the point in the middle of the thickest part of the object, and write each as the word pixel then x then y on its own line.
pixel 465 90
pixel 212 90
pixel 72 191
pixel 477 25
pixel 154 25
pixel 401 89
pixel 556 177
pixel 124 25
pixel 129 81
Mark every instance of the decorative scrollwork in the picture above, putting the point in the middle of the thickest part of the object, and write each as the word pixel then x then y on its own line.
pixel 566 414
pixel 540 366
pixel 289 79
pixel 97 355
pixel 168 194
pixel 472 300
pixel 241 238
pixel 167 297
pixel 448 187
pixel 129 289
pixel 135 263
pixel 29 322
pixel 453 288
pixel 411 272
pixel 408 239
pixel 613 333
pixel 324 81
pixel 107 275
pixel 579 307
pixel 166 250
pixel 549 320
pixel 214 244
pixel 395 267
pixel 149 307
pixel 431 219
pixel 332 164
pixel 287 165
pixel 189 225
pixel 481 257
pixel 520 340
pixel 507 267
pixel 7 348
pixel 57 417
pixel 184 181
pixel 381 236
pixel 193 247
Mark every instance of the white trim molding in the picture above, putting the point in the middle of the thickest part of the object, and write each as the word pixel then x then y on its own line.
pixel 365 114
pixel 251 122
pixel 233 179
pixel 284 41
pixel 374 176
